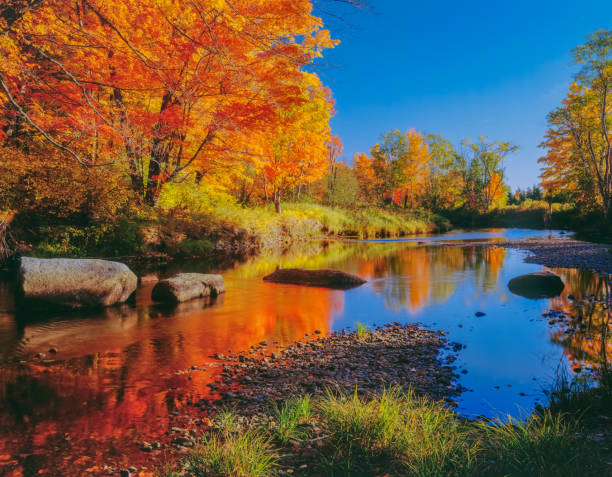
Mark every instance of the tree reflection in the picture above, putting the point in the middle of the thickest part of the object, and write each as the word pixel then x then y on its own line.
pixel 586 304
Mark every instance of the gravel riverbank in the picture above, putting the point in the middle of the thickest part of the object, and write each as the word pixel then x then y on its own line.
pixel 561 253
pixel 364 362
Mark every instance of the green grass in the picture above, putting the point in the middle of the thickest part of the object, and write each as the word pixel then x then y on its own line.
pixel 570 395
pixel 362 331
pixel 309 220
pixel 292 419
pixel 397 434
pixel 248 454
pixel 544 445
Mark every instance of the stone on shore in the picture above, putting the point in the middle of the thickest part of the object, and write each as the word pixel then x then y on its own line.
pixel 315 278
pixel 537 285
pixel 75 283
pixel 188 286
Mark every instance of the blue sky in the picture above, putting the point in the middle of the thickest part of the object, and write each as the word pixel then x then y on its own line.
pixel 457 68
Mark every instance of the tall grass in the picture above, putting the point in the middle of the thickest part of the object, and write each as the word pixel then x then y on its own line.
pixel 232 451
pixel 397 434
pixel 543 445
pixel 570 394
pixel 292 419
pixel 305 220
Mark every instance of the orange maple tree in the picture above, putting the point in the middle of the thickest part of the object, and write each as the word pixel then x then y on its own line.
pixel 157 87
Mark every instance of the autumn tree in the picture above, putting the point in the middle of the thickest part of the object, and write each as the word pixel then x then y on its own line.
pixel 484 172
pixel 294 147
pixel 399 164
pixel 156 87
pixel 578 143
pixel 366 177
pixel 444 182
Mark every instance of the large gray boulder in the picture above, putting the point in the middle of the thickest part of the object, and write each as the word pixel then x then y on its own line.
pixel 187 286
pixel 75 283
pixel 537 285
pixel 315 278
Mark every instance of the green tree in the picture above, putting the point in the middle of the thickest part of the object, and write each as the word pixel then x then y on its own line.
pixel 484 174
pixel 444 184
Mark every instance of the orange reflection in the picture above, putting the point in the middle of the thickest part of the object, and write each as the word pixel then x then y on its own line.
pixel 418 271
pixel 585 299
pixel 114 383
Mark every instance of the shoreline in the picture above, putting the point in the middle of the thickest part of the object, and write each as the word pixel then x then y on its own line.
pixel 559 253
pixel 270 401
pixel 365 361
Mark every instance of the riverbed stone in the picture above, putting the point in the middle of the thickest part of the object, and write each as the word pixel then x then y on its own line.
pixel 188 286
pixel 315 278
pixel 537 285
pixel 75 283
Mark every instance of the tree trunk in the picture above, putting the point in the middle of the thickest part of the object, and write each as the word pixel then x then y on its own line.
pixel 277 201
pixel 159 158
pixel 266 187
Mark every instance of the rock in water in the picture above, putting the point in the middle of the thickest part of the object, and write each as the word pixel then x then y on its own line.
pixel 537 285
pixel 187 286
pixel 75 283
pixel 315 278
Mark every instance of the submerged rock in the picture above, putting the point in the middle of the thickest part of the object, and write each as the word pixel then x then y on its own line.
pixel 537 285
pixel 75 283
pixel 187 286
pixel 315 278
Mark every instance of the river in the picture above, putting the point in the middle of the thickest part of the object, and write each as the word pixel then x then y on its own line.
pixel 116 376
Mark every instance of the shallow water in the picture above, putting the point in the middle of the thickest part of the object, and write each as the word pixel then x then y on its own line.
pixel 114 378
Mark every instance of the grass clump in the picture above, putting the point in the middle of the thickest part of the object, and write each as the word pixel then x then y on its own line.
pixel 292 419
pixel 544 445
pixel 230 449
pixel 395 433
pixel 362 331
pixel 245 454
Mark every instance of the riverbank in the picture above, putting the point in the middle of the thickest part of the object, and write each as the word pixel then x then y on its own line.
pixel 367 402
pixel 557 252
pixel 222 231
pixel 567 253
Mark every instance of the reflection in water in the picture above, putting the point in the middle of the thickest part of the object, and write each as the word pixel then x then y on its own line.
pixel 585 333
pixel 423 276
pixel 115 379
